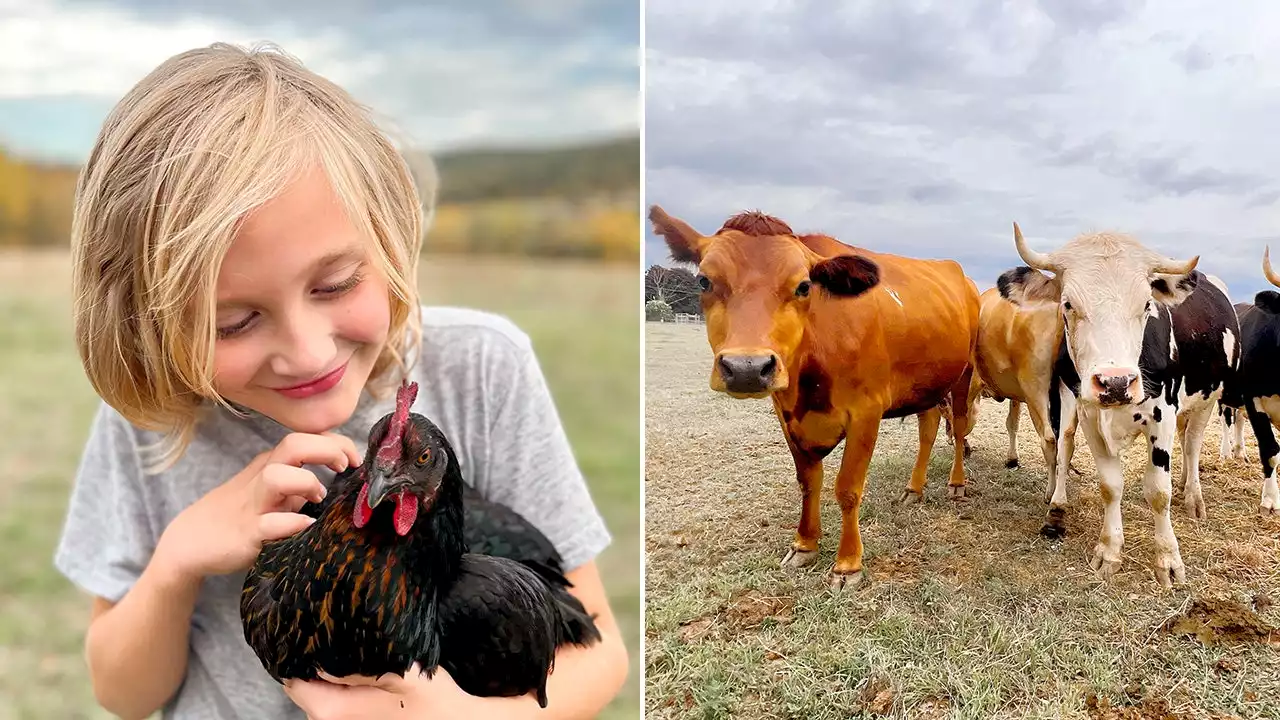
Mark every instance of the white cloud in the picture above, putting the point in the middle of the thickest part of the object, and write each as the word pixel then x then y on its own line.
pixel 435 74
pixel 927 128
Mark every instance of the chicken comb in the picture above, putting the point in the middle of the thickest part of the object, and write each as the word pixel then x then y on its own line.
pixel 389 450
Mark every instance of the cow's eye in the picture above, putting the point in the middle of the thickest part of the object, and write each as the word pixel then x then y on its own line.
pixel 802 290
pixel 1066 305
pixel 704 282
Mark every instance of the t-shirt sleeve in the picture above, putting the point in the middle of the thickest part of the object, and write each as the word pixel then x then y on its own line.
pixel 529 462
pixel 107 538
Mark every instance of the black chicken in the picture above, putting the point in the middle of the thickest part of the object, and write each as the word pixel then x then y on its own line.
pixel 373 586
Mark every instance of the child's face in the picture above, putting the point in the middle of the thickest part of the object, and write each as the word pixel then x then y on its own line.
pixel 303 313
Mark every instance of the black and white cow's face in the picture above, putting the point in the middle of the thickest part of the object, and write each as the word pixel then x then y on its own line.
pixel 1108 286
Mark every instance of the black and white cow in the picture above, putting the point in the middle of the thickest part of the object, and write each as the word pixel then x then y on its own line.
pixel 1147 347
pixel 1232 413
pixel 1256 387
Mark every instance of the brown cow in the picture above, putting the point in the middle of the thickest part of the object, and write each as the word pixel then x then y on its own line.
pixel 839 338
pixel 1017 346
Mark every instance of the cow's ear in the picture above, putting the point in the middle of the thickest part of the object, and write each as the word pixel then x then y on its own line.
pixel 1025 286
pixel 1171 290
pixel 685 243
pixel 845 275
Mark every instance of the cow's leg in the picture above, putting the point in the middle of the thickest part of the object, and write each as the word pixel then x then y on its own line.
pixel 1157 487
pixel 962 402
pixel 851 481
pixel 1268 454
pixel 1011 425
pixel 1226 444
pixel 1106 553
pixel 1056 494
pixel 1038 409
pixel 1239 418
pixel 928 422
pixel 1192 441
pixel 808 463
pixel 804 547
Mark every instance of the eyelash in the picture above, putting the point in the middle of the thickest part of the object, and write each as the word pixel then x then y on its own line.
pixel 330 291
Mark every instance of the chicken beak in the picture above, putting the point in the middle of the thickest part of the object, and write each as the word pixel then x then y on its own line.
pixel 380 485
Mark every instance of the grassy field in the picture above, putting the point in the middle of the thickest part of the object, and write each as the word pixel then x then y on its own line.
pixel 584 321
pixel 969 612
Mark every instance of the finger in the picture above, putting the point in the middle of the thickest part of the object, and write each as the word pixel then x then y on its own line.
pixel 293 503
pixel 348 446
pixel 280 482
pixel 280 525
pixel 298 449
pixel 254 467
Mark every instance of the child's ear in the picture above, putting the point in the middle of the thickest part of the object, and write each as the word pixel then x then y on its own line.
pixel 845 275
pixel 685 243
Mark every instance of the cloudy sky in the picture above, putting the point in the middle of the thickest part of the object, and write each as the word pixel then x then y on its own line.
pixel 928 128
pixel 443 73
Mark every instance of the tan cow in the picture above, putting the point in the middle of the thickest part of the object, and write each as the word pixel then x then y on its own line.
pixel 1018 342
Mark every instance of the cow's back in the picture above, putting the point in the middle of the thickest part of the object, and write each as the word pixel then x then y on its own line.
pixel 1017 346
pixel 909 339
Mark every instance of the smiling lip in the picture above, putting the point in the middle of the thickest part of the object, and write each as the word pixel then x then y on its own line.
pixel 324 383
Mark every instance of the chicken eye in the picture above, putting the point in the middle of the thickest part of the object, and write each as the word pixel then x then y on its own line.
pixel 424 457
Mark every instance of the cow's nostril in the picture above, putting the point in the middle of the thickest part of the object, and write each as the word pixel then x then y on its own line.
pixel 770 366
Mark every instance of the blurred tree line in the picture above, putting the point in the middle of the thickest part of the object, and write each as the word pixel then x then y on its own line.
pixel 580 202
pixel 674 288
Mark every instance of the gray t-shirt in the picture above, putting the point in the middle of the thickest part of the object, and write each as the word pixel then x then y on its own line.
pixel 478 379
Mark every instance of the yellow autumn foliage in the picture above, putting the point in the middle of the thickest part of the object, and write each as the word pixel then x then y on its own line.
pixel 36 203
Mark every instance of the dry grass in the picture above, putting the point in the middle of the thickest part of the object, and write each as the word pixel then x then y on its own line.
pixel 970 612
pixel 584 323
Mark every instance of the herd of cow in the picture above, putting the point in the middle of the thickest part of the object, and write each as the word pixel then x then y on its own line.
pixel 1101 335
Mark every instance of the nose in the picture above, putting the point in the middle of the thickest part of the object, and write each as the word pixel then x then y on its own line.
pixel 748 373
pixel 1115 386
pixel 305 346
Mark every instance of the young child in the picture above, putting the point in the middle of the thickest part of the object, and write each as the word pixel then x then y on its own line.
pixel 245 253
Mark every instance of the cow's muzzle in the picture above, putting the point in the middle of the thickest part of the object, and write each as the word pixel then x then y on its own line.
pixel 1116 386
pixel 748 374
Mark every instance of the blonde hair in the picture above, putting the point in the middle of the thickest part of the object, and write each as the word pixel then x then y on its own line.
pixel 205 138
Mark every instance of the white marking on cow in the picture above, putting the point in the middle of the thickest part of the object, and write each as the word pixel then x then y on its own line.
pixel 893 295
pixel 1228 344
pixel 1270 406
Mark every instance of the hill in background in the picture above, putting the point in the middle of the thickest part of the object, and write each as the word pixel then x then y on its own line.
pixel 578 200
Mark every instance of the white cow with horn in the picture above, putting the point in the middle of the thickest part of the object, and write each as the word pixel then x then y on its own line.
pixel 1147 346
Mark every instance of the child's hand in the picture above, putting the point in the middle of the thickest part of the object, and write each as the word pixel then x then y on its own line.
pixel 223 531
pixel 413 696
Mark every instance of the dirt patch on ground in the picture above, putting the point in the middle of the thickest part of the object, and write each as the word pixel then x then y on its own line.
pixel 1219 621
pixel 1149 709
pixel 747 611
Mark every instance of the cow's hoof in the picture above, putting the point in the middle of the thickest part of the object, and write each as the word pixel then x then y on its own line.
pixel 1170 571
pixel 1195 507
pixel 796 559
pixel 1270 504
pixel 911 497
pixel 840 581
pixel 1011 463
pixel 1105 568
pixel 956 492
pixel 968 449
pixel 1055 526
pixel 1051 531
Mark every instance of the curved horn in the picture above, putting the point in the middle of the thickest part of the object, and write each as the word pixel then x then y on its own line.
pixel 1039 261
pixel 1169 266
pixel 1266 267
